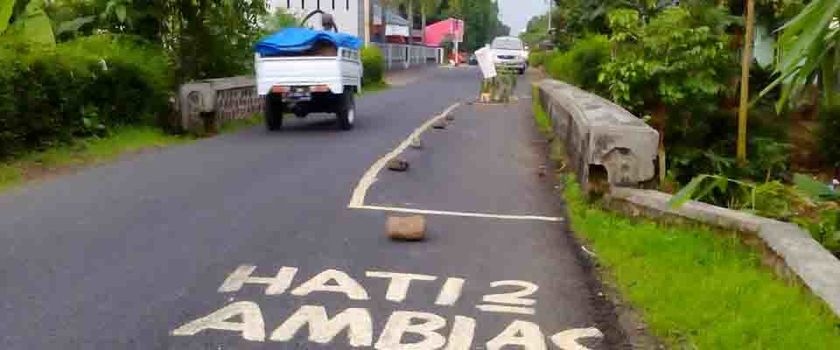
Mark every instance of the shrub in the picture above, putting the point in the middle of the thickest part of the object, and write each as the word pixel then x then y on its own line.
pixel 373 62
pixel 582 63
pixel 538 58
pixel 81 88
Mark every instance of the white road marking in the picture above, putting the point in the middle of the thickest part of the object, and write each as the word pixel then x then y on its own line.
pixel 357 201
pixel 398 286
pixel 322 330
pixel 450 292
pixel 402 322
pixel 252 326
pixel 506 309
pixel 567 340
pixel 343 284
pixel 369 177
pixel 276 285
pixel 461 213
pixel 512 298
pixel 522 333
pixel 463 332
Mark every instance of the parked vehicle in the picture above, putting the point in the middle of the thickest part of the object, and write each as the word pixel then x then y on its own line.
pixel 304 71
pixel 509 53
pixel 473 61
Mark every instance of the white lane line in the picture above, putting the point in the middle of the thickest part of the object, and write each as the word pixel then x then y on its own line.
pixel 358 199
pixel 460 213
pixel 506 309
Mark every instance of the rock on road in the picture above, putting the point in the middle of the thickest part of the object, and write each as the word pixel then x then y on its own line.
pixel 134 254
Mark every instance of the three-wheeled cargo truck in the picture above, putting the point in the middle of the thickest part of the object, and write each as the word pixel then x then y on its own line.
pixel 303 71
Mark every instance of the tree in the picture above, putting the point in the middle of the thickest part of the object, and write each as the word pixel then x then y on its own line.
pixel 670 68
pixel 427 8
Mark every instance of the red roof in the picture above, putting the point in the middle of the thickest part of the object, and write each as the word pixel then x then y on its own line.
pixel 436 33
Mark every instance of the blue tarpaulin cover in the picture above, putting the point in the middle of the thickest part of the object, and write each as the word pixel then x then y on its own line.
pixel 296 40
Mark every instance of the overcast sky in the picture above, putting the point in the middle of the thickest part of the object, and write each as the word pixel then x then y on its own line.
pixel 516 13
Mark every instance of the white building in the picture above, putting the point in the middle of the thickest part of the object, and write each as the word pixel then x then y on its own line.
pixel 349 14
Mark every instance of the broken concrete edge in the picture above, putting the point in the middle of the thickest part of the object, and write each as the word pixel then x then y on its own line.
pixel 788 249
pixel 599 135
pixel 197 101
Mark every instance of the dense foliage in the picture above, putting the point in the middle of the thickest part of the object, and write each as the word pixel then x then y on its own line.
pixel 677 67
pixel 373 63
pixel 82 88
pixel 481 18
pixel 204 39
pixel 581 64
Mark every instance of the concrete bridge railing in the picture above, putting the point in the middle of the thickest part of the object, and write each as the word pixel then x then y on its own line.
pixel 206 104
pixel 599 135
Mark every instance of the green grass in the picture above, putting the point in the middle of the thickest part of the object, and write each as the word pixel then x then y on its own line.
pixel 542 118
pixel 91 151
pixel 374 87
pixel 239 124
pixel 696 287
pixel 84 152
pixel 700 288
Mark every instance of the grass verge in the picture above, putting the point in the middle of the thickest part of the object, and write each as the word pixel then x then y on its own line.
pixel 695 287
pixel 542 119
pixel 83 152
pixel 92 151
pixel 374 87
pixel 699 288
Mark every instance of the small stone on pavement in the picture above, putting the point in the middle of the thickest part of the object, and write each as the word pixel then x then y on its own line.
pixel 397 164
pixel 406 228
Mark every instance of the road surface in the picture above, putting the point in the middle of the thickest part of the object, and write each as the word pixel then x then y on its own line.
pixel 246 241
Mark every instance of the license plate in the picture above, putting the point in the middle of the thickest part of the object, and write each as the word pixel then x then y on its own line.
pixel 299 94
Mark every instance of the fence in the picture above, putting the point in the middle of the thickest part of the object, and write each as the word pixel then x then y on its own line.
pixel 405 56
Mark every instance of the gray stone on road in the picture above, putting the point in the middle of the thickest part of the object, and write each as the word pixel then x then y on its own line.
pixel 120 256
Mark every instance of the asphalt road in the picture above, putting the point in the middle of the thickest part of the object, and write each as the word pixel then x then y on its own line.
pixel 134 254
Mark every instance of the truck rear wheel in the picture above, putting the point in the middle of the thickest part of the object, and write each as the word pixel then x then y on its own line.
pixel 273 112
pixel 347 112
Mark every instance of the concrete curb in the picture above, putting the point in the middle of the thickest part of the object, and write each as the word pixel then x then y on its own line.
pixel 788 249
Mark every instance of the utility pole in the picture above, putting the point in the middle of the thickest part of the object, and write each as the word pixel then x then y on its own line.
pixel 366 12
pixel 550 7
pixel 746 60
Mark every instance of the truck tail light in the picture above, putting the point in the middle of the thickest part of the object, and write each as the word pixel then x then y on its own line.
pixel 319 88
pixel 279 89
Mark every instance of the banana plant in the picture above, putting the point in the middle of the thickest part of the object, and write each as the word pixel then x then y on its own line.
pixel 32 26
pixel 809 44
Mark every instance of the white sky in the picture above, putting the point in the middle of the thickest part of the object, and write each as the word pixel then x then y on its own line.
pixel 516 13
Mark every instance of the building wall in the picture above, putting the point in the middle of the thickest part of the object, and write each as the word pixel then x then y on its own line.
pixel 347 13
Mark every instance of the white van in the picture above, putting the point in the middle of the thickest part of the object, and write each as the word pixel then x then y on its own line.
pixel 509 53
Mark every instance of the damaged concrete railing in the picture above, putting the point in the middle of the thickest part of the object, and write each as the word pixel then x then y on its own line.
pixel 206 104
pixel 600 134
pixel 600 137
